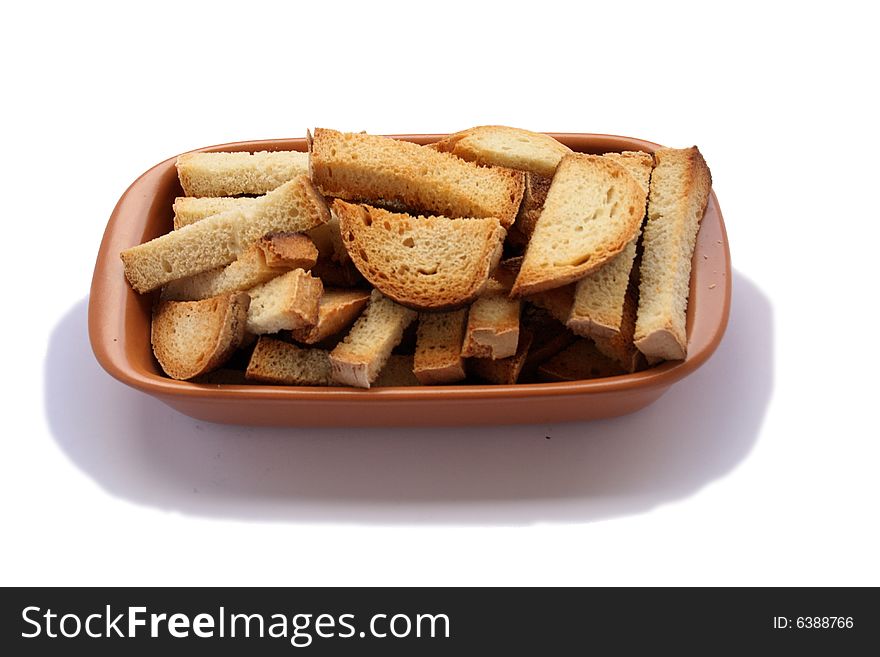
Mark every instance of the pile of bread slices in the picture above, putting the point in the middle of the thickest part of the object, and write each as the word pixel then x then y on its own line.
pixel 496 255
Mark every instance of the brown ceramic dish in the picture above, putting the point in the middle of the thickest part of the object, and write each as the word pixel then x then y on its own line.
pixel 119 329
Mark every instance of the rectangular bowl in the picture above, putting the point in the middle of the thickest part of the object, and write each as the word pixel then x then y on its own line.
pixel 119 331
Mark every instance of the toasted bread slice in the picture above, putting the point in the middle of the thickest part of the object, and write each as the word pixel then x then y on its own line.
pixel 638 164
pixel 619 346
pixel 502 146
pixel 191 338
pixel 598 305
pixel 535 194
pixel 597 310
pixel 286 302
pixel 582 360
pixel 276 361
pixel 593 210
pixel 426 263
pixel 218 240
pixel 358 359
pixel 337 310
pixel 230 174
pixel 190 209
pixel 438 347
pixel 680 187
pixel 360 167
pixel 493 324
pixel 269 257
pixel 398 371
pixel 504 371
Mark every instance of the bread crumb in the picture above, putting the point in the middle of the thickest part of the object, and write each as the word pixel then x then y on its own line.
pixel 712 287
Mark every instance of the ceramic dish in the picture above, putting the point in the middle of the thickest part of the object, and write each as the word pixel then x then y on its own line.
pixel 119 330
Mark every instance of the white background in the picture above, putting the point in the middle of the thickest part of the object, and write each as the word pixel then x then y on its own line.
pixel 762 468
